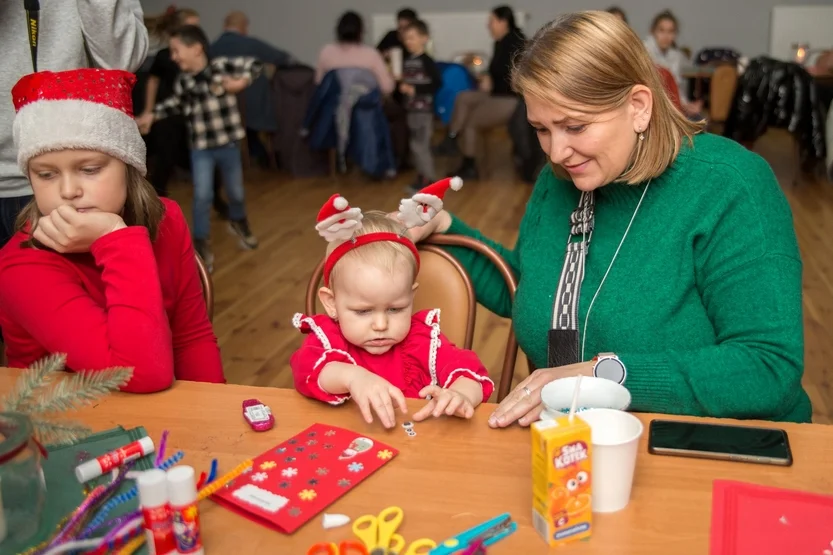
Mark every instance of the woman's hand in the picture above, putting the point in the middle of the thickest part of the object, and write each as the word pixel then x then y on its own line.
pixel 370 391
pixel 524 403
pixel 67 230
pixel 485 83
pixel 438 224
pixel 444 401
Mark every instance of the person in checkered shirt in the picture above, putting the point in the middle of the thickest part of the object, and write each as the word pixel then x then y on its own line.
pixel 206 94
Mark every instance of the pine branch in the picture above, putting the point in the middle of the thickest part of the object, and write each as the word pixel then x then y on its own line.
pixel 38 375
pixel 57 433
pixel 79 389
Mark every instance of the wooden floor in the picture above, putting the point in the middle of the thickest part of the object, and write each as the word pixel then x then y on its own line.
pixel 257 292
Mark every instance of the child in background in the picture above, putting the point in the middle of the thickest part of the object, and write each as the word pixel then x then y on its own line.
pixel 101 268
pixel 369 346
pixel 205 93
pixel 421 80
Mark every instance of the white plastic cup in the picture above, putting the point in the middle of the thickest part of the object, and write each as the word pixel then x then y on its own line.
pixel 615 437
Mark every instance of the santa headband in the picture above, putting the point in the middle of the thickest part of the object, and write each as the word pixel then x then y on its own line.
pixel 337 221
pixel 85 109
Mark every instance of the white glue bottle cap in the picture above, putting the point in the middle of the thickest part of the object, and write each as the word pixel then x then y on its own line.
pixel 182 487
pixel 153 488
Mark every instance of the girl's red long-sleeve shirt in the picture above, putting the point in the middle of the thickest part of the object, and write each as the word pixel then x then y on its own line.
pixel 425 357
pixel 128 302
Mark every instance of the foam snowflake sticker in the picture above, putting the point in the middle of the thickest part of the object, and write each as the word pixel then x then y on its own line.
pixel 330 433
pixel 313 456
pixel 247 470
pixel 355 467
pixel 280 450
pixel 344 483
pixel 322 471
pixel 290 459
pixel 384 454
pixel 312 442
pixel 259 477
pixel 268 465
pixel 328 446
pixel 294 511
pixel 284 485
pixel 289 472
pixel 307 495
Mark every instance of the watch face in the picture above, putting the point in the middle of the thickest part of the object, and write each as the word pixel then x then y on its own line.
pixel 610 369
pixel 257 413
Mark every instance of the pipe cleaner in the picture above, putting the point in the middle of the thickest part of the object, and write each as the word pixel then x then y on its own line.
pixel 217 484
pixel 213 474
pixel 115 532
pixel 132 545
pixel 95 543
pixel 125 497
pixel 160 454
pixel 85 510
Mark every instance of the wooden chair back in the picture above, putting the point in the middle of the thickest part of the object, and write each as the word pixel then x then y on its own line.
pixel 445 284
pixel 724 81
pixel 207 286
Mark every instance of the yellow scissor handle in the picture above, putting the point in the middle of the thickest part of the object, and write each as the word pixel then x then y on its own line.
pixel 419 547
pixel 388 521
pixel 366 529
pixel 397 543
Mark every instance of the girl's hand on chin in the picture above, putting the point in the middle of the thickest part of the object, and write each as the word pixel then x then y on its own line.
pixel 66 230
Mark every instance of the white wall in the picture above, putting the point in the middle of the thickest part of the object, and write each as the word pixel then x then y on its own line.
pixel 303 27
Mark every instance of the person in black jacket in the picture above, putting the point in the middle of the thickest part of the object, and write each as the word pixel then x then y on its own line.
pixel 494 103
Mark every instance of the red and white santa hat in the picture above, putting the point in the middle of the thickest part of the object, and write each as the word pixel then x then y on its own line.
pixel 89 109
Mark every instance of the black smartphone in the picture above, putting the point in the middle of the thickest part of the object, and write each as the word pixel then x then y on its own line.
pixel 719 441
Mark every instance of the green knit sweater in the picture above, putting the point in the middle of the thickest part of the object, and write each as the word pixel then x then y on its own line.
pixel 703 303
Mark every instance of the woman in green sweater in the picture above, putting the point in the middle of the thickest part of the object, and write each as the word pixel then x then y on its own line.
pixel 683 257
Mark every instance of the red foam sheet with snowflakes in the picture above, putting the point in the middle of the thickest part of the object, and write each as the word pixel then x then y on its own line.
pixel 749 519
pixel 294 481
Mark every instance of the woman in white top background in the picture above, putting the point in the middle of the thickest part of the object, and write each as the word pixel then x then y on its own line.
pixel 662 45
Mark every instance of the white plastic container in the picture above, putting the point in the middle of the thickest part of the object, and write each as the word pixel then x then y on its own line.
pixel 156 511
pixel 182 494
pixel 615 436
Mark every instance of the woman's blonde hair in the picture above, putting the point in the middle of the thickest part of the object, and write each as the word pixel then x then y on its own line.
pixel 142 207
pixel 386 255
pixel 594 59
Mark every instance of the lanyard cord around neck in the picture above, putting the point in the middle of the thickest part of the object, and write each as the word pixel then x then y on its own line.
pixel 612 260
pixel 32 8
pixel 564 346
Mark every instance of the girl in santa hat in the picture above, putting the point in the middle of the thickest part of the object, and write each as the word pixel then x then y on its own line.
pixel 370 345
pixel 101 268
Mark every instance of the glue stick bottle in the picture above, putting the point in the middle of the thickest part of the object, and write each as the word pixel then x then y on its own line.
pixel 158 522
pixel 182 493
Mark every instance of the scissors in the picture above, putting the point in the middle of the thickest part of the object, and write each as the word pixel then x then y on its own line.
pixel 379 534
pixel 344 548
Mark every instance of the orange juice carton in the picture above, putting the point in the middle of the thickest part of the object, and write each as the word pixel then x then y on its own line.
pixel 562 510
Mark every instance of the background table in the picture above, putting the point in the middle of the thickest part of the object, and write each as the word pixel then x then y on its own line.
pixel 452 475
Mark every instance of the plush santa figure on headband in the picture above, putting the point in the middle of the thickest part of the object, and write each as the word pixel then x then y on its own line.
pixel 427 203
pixel 337 221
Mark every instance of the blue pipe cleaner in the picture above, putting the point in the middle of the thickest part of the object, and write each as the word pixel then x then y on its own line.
pixel 213 474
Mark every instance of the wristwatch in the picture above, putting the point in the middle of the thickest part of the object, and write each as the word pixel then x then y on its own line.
pixel 609 367
pixel 258 415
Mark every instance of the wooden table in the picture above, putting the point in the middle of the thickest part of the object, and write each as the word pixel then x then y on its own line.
pixel 453 475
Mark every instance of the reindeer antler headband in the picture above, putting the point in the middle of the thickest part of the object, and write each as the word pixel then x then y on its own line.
pixel 337 221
